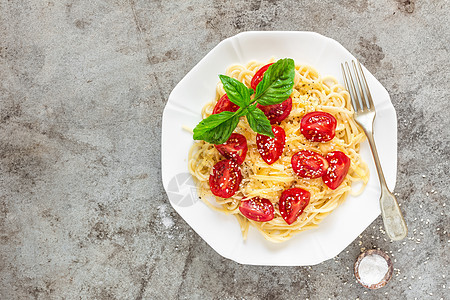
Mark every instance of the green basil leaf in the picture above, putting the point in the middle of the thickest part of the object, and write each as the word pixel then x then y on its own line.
pixel 237 92
pixel 277 83
pixel 258 121
pixel 216 129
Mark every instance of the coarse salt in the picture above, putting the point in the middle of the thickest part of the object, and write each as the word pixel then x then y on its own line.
pixel 372 269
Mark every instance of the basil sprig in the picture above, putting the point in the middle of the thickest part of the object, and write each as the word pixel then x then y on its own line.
pixel 275 87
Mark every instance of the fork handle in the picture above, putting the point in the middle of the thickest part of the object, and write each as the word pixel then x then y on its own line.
pixel 393 220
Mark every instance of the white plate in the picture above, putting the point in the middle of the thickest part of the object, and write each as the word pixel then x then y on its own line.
pixel 222 231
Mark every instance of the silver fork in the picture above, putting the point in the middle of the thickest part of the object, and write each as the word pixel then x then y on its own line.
pixel 364 115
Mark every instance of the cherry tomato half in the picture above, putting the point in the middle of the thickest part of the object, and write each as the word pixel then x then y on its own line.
pixel 259 76
pixel 277 112
pixel 235 148
pixel 338 167
pixel 269 148
pixel 225 178
pixel 318 126
pixel 257 209
pixel 224 104
pixel 292 203
pixel 309 164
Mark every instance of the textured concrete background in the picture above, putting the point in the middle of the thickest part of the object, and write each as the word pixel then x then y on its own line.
pixel 83 214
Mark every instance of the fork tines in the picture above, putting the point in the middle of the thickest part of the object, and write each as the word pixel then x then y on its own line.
pixel 361 98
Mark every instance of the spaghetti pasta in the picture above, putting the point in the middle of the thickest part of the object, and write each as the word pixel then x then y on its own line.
pixel 310 93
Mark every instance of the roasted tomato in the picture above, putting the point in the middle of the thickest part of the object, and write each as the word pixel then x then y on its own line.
pixel 225 178
pixel 277 112
pixel 292 203
pixel 224 104
pixel 259 76
pixel 235 148
pixel 338 165
pixel 257 209
pixel 309 164
pixel 269 148
pixel 318 126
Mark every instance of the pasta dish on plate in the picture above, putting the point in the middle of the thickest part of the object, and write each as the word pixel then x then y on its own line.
pixel 285 169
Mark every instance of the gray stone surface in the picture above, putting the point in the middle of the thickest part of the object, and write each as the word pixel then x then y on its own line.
pixel 83 213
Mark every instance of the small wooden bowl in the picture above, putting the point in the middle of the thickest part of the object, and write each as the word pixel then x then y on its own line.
pixel 386 278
